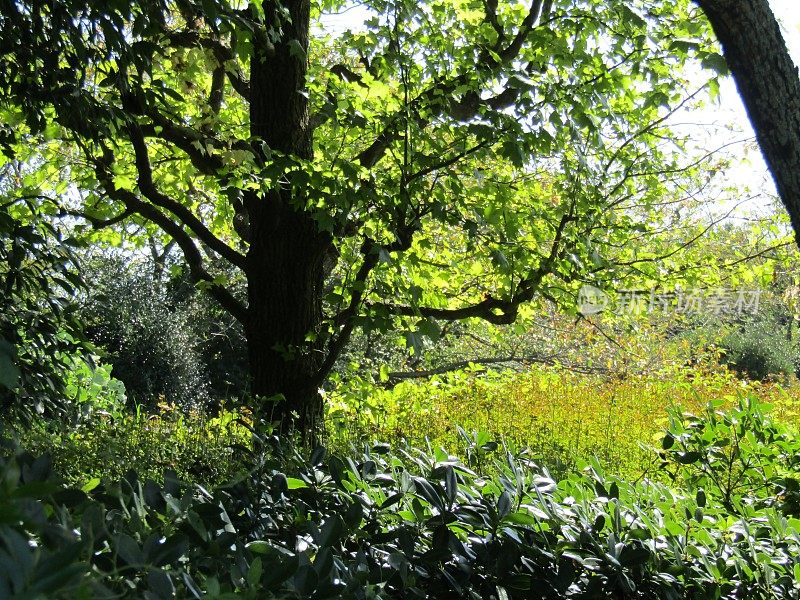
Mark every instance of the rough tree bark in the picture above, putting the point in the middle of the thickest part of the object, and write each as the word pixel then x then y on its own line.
pixel 285 260
pixel 768 83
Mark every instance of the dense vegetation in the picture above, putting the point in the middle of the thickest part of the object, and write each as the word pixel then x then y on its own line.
pixel 406 524
pixel 443 305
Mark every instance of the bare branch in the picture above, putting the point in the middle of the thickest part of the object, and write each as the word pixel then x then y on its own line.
pixel 524 360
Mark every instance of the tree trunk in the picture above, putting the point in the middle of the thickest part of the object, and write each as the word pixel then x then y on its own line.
pixel 768 83
pixel 285 259
pixel 285 278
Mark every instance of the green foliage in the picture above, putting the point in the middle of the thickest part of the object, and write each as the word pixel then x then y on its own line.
pixel 443 161
pixel 407 524
pixel 740 454
pixel 39 331
pixel 563 417
pixel 759 350
pixel 200 447
pixel 91 390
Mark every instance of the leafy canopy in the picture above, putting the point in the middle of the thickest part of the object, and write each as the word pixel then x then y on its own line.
pixel 467 156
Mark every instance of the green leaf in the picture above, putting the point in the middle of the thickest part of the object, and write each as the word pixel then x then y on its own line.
pixel 90 485
pixel 255 571
pixel 296 50
pixel 715 62
pixel 701 498
pixel 293 483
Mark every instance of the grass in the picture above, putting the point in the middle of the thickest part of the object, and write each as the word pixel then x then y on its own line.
pixel 563 417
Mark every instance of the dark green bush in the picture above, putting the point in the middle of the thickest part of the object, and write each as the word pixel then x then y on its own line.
pixel 759 350
pixel 165 340
pixel 408 524
pixel 148 339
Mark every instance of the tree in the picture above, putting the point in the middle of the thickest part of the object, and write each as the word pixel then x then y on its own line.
pixel 769 86
pixel 450 160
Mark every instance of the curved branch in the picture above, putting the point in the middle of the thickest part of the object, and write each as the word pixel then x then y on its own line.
pixel 151 192
pixel 497 311
pixel 185 138
pixel 94 221
pixel 190 251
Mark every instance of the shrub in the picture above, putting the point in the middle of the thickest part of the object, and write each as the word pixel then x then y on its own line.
pixel 199 447
pixel 759 351
pixel 164 339
pixel 408 524
pixel 740 454
pixel 563 417
pixel 148 339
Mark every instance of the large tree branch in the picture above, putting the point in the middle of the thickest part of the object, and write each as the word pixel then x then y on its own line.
pixel 193 143
pixel 190 251
pixel 152 193
pixel 498 311
pixel 493 310
pixel 217 90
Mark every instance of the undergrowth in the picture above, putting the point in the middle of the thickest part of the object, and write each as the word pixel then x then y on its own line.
pixel 401 523
pixel 562 417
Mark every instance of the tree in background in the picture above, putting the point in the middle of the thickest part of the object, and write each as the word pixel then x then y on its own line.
pixel 450 160
pixel 163 338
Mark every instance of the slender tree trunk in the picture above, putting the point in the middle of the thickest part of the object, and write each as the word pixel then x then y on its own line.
pixel 768 83
pixel 285 259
